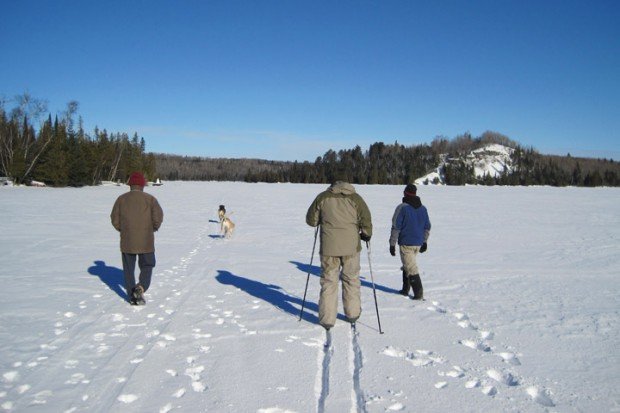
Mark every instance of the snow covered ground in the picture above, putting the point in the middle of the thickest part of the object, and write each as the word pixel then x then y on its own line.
pixel 522 288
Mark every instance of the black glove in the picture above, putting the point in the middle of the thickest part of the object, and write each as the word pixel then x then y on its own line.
pixel 423 247
pixel 393 250
pixel 364 237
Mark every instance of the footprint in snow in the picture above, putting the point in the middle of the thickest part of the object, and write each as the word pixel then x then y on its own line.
pixel 10 376
pixel 504 378
pixel 194 372
pixel 422 358
pixel 510 358
pixel 127 398
pixel 168 337
pixel 487 335
pixel 466 324
pixel 166 408
pixel 396 407
pixel 460 316
pixel 76 378
pixel 472 384
pixel 540 396
pixel 393 352
pixel 198 386
pixel 489 390
pixel 457 373
pixel 41 397
pixel 179 393
pixel 476 345
pixel 436 309
pixel 416 360
pixel 99 336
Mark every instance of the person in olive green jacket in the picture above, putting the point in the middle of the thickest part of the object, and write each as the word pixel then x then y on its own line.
pixel 137 215
pixel 344 218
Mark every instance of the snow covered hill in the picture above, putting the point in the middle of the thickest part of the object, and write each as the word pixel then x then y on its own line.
pixel 491 160
pixel 522 309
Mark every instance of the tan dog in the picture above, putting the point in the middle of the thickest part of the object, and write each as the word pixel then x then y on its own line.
pixel 227 227
pixel 221 213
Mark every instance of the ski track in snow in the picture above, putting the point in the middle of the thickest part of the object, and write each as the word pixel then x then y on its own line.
pixel 355 362
pixel 489 381
pixel 151 332
pixel 153 326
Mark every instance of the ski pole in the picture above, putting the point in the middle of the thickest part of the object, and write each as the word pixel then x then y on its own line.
pixel 303 303
pixel 374 292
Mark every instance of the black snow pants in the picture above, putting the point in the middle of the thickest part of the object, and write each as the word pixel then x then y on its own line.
pixel 146 262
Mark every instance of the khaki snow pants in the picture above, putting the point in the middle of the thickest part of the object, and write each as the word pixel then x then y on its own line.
pixel 408 254
pixel 350 276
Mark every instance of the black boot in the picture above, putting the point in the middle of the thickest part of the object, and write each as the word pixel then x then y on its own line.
pixel 138 295
pixel 416 285
pixel 405 290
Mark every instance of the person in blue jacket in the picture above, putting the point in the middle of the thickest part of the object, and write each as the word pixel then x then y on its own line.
pixel 411 228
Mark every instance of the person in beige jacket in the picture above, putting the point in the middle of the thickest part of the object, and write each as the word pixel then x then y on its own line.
pixel 344 218
pixel 137 215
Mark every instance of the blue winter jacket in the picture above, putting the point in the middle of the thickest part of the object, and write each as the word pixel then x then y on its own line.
pixel 410 224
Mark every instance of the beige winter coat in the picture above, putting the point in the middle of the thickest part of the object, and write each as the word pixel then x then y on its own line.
pixel 342 214
pixel 137 215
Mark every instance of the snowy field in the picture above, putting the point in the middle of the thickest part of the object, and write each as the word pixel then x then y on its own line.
pixel 522 289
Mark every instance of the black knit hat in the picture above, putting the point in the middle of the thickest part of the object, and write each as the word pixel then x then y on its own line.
pixel 410 190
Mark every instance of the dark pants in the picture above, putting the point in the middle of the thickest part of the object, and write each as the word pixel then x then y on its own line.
pixel 146 262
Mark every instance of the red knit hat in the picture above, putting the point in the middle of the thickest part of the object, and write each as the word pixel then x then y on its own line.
pixel 136 178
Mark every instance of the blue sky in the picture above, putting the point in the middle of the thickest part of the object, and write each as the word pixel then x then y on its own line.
pixel 288 80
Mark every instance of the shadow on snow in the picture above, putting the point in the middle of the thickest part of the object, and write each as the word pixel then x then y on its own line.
pixel 272 294
pixel 111 276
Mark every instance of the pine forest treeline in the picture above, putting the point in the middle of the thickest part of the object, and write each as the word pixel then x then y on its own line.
pixel 398 164
pixel 60 153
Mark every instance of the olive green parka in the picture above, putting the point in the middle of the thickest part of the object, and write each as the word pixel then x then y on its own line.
pixel 342 215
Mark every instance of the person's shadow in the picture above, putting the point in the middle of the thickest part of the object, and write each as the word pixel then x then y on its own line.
pixel 272 294
pixel 111 276
pixel 316 270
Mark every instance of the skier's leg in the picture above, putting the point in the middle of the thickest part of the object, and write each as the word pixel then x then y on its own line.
pixel 129 267
pixel 351 287
pixel 328 300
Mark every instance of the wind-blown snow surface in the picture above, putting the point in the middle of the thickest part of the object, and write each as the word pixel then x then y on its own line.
pixel 521 314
